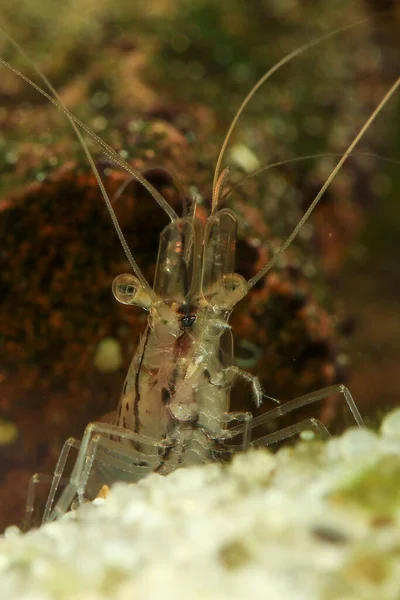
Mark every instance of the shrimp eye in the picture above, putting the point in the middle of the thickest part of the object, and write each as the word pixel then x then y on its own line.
pixel 127 289
pixel 124 288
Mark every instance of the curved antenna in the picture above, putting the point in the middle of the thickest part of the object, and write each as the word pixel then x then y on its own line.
pixel 294 159
pixel 271 71
pixel 113 216
pixel 321 192
pixel 217 189
pixel 107 150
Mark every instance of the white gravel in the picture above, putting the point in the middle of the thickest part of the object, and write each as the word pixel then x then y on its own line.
pixel 318 521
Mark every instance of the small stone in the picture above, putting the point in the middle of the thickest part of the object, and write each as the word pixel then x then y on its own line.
pixel 391 424
pixel 108 357
pixel 8 433
pixel 356 442
pixel 103 493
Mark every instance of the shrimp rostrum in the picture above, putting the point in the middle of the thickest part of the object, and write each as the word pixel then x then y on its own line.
pixel 174 409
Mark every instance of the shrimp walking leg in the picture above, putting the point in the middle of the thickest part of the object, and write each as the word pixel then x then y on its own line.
pixel 58 472
pixel 36 480
pixel 244 429
pixel 291 431
pixel 114 454
pixel 54 481
pixel 296 403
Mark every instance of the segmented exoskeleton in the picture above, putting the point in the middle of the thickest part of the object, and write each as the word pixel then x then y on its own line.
pixel 174 409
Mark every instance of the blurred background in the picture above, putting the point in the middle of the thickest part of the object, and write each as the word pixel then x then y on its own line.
pixel 161 82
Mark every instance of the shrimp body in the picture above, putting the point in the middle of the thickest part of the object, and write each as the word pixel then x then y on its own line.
pixel 178 384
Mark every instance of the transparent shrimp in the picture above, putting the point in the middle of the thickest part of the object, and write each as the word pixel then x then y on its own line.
pixel 174 409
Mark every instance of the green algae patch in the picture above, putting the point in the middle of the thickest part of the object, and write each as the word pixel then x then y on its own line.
pixel 235 555
pixel 369 567
pixel 376 489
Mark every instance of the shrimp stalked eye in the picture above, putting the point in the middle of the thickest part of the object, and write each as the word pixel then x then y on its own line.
pixel 127 289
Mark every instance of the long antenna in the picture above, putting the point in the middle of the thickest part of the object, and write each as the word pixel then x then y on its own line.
pixel 301 158
pixel 217 190
pixel 113 216
pixel 321 192
pixel 108 151
pixel 268 74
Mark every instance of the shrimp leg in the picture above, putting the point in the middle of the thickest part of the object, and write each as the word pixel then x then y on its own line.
pixel 299 402
pixel 114 454
pixel 238 373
